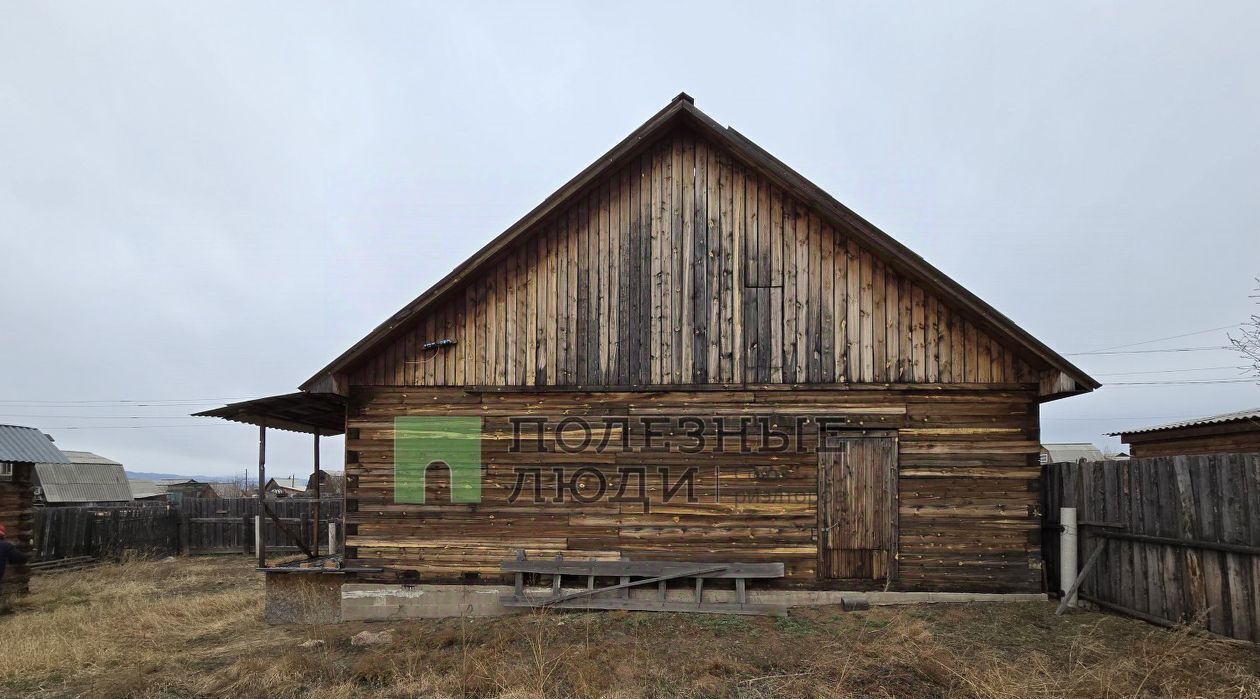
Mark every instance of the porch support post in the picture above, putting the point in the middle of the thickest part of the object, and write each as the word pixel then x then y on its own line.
pixel 315 509
pixel 262 494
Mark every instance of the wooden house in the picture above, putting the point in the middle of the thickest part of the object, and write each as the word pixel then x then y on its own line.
pixel 1228 433
pixel 20 449
pixel 285 487
pixel 634 355
pixel 177 489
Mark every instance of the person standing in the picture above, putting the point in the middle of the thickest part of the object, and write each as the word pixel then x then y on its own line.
pixel 9 553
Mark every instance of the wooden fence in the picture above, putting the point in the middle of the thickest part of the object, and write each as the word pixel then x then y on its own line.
pixel 194 525
pixel 227 524
pixel 104 532
pixel 1181 537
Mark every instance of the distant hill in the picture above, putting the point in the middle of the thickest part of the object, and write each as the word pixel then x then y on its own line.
pixel 148 476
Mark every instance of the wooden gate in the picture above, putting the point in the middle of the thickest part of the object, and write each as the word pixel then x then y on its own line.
pixel 857 505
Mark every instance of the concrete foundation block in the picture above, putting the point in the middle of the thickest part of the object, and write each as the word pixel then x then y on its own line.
pixel 294 598
pixel 379 602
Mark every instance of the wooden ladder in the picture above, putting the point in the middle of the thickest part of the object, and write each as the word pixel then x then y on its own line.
pixel 638 574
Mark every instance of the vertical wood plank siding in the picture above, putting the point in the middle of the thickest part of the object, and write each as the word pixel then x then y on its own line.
pixel 686 268
pixel 967 488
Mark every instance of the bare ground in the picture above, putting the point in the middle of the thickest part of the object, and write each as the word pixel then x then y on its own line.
pixel 192 628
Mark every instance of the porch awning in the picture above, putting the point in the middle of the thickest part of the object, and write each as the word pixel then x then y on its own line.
pixel 312 413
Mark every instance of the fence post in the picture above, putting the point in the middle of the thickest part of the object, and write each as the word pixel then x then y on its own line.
pixel 1067 552
pixel 184 523
pixel 258 542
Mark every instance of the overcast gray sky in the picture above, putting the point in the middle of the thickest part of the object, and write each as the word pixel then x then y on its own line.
pixel 205 201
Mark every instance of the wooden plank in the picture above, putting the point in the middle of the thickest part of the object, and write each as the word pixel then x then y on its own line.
pixel 712 251
pixel 730 255
pixel 664 577
pixel 1241 594
pixel 831 329
pixel 658 606
pixel 859 314
pixel 641 568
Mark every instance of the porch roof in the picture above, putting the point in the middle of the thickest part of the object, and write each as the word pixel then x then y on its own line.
pixel 312 413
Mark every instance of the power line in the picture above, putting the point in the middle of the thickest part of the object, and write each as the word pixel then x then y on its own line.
pixel 1161 339
pixel 135 427
pixel 1169 371
pixel 94 403
pixel 1182 383
pixel 103 417
pixel 1152 351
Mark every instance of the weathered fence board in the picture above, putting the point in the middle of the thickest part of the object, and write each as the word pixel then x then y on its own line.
pixel 227 524
pixel 1182 536
pixel 194 525
pixel 104 532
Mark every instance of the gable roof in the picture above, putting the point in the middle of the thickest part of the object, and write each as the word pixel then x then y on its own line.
pixel 28 445
pixel 682 111
pixel 1071 452
pixel 141 489
pixel 83 482
pixel 87 457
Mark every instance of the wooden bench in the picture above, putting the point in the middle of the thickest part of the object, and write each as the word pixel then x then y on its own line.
pixel 632 574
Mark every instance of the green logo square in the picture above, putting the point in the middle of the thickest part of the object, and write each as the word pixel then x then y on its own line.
pixel 421 441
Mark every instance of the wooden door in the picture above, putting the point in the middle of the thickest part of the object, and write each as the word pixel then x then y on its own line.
pixel 857 505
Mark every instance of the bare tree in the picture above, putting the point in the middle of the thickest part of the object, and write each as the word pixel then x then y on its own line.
pixel 1248 342
pixel 244 482
pixel 335 484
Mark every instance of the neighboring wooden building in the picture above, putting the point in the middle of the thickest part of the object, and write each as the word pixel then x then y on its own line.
pixel 146 490
pixel 1069 452
pixel 88 479
pixel 682 283
pixel 20 449
pixel 285 487
pixel 177 489
pixel 1216 434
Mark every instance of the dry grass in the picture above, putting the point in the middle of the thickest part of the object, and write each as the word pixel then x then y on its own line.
pixel 191 628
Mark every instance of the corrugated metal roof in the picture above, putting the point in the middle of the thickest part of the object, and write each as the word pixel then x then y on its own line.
pixel 28 445
pixel 87 457
pixel 146 489
pixel 1236 416
pixel 83 483
pixel 1072 452
pixel 312 413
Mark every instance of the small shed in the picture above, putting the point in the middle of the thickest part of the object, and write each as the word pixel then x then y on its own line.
pixel 289 487
pixel 1069 453
pixel 20 449
pixel 180 488
pixel 150 491
pixel 89 479
pixel 225 489
pixel 1227 433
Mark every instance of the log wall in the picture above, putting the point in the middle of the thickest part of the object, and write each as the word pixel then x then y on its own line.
pixel 17 513
pixel 967 490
